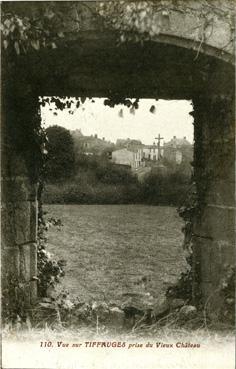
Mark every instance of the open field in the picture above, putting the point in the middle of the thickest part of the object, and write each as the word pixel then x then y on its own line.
pixel 114 250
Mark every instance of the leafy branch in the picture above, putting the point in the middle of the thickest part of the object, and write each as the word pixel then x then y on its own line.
pixel 144 20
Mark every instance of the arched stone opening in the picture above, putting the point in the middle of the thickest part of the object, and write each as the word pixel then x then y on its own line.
pixel 95 67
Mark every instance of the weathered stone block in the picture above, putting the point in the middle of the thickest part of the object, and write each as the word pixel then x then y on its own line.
pixel 176 303
pixel 19 223
pixel 221 192
pixel 33 220
pixel 188 312
pixel 22 224
pixel 161 307
pixel 217 222
pixel 222 253
pixel 10 262
pixel 17 165
pixel 100 311
pixel 7 225
pixel 206 259
pixel 16 189
pixel 25 262
pixel 116 318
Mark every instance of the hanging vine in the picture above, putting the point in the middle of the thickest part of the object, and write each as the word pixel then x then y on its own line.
pixel 145 20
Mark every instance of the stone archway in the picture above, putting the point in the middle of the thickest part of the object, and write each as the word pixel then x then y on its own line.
pixel 88 63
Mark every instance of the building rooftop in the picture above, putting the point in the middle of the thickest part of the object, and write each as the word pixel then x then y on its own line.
pixel 178 142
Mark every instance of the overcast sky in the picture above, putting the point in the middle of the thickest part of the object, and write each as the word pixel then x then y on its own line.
pixel 170 119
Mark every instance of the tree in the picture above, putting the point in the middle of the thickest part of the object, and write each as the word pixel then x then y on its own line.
pixel 60 163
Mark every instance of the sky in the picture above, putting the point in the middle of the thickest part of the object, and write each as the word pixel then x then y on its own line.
pixel 171 118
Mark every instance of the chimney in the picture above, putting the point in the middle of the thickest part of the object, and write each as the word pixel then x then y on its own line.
pixel 103 138
pixel 174 136
pixel 184 137
pixel 96 136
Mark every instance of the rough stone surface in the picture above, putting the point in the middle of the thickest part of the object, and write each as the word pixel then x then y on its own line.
pixel 188 312
pixel 176 303
pixel 116 317
pixel 101 311
pixel 161 307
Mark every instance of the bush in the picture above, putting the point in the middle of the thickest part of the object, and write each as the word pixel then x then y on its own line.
pixel 113 174
pixel 85 193
pixel 164 189
pixel 99 181
pixel 49 270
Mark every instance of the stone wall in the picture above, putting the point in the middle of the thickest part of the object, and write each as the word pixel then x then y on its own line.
pixel 19 207
pixel 19 235
pixel 213 232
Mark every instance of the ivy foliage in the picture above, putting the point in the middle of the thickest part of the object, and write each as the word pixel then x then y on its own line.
pixel 56 103
pixel 23 33
pixel 139 21
pixel 30 27
pixel 227 291
pixel 184 286
pixel 50 271
pixel 43 25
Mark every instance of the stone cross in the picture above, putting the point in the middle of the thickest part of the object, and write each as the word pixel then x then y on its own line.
pixel 159 138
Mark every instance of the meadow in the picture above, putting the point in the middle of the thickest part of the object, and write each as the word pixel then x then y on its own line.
pixel 113 251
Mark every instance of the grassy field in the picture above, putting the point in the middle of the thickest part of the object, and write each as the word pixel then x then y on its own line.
pixel 114 250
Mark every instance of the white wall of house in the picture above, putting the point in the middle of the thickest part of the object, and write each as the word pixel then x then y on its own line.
pixel 150 152
pixel 128 157
pixel 138 156
pixel 124 157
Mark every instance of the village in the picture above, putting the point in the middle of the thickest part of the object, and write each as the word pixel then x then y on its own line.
pixel 133 155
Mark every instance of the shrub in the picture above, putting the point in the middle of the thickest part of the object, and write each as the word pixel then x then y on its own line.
pixel 49 270
pixel 164 189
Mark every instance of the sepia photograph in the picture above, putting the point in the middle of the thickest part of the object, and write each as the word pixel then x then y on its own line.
pixel 118 184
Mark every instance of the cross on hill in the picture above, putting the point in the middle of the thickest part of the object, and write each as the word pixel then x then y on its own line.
pixel 159 138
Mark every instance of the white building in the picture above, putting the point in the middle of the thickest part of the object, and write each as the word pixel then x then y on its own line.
pixel 150 152
pixel 130 157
